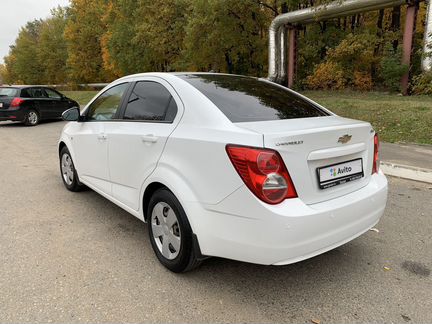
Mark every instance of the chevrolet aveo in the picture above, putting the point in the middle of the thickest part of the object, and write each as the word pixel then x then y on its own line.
pixel 227 166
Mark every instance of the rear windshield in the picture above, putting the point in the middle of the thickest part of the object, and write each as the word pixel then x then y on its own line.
pixel 246 99
pixel 8 92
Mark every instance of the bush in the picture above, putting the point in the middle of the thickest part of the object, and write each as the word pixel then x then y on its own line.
pixel 392 69
pixel 327 76
pixel 422 84
pixel 362 81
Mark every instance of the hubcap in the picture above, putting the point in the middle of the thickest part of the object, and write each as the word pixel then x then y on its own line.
pixel 67 169
pixel 166 230
pixel 32 117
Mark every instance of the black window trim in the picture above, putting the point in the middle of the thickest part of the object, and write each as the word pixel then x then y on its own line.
pixel 117 114
pixel 122 109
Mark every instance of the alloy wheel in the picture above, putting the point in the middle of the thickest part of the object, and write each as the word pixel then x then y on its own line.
pixel 32 118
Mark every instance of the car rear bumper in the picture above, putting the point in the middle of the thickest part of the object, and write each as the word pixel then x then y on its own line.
pixel 13 115
pixel 243 228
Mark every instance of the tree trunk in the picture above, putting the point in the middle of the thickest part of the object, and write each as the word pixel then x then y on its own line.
pixel 395 26
pixel 229 63
pixel 379 32
pixel 378 45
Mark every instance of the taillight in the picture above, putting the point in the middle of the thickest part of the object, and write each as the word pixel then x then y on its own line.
pixel 263 172
pixel 16 102
pixel 376 161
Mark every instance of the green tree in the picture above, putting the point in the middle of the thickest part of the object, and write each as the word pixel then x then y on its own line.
pixel 52 50
pixel 83 34
pixel 22 63
pixel 227 36
pixel 3 73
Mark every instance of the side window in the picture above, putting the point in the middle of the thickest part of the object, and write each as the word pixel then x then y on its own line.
pixel 150 101
pixel 107 104
pixel 26 93
pixel 33 93
pixel 39 93
pixel 52 94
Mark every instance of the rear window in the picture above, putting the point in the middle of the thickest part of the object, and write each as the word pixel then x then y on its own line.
pixel 247 99
pixel 8 92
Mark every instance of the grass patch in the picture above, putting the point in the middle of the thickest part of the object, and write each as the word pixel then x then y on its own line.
pixel 397 119
pixel 82 97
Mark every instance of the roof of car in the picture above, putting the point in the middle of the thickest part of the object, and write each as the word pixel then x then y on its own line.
pixel 22 86
pixel 177 74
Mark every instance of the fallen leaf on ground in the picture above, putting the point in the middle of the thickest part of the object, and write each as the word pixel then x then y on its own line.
pixel 386 268
pixel 315 321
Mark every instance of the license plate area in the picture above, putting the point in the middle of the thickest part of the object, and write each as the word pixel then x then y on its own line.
pixel 339 173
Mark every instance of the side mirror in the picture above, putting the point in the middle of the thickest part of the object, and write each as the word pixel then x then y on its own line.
pixel 72 114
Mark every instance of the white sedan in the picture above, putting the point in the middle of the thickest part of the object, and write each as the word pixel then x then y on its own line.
pixel 227 166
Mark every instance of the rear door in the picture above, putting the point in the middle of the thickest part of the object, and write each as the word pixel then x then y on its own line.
pixel 41 102
pixel 150 114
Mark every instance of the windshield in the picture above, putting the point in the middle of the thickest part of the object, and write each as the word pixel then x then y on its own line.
pixel 247 99
pixel 8 92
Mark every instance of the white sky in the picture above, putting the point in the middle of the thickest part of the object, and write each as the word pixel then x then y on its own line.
pixel 16 13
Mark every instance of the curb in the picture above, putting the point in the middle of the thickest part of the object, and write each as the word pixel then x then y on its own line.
pixel 406 172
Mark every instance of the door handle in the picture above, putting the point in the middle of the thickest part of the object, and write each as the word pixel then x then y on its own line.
pixel 150 138
pixel 102 137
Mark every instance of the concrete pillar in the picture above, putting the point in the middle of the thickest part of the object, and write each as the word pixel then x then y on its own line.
pixel 408 37
pixel 292 56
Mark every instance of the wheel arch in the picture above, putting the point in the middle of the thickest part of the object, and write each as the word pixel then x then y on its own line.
pixel 31 105
pixel 65 141
pixel 60 146
pixel 155 185
pixel 148 193
pixel 166 177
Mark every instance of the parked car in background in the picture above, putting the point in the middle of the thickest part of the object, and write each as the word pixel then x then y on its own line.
pixel 31 104
pixel 225 165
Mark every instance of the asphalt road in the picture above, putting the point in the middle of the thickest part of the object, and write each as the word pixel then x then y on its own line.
pixel 68 257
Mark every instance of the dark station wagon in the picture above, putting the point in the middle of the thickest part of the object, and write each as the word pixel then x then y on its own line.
pixel 31 104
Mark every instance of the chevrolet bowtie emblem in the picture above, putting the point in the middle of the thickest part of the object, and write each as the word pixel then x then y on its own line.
pixel 345 139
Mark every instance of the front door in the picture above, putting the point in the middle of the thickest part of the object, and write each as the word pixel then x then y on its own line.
pixel 58 105
pixel 91 141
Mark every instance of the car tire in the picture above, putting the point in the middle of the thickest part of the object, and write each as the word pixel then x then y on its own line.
pixel 31 118
pixel 68 172
pixel 167 217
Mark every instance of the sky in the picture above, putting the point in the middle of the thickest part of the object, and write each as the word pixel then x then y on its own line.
pixel 16 13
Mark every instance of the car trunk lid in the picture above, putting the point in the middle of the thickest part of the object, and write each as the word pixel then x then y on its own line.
pixel 309 144
pixel 7 94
